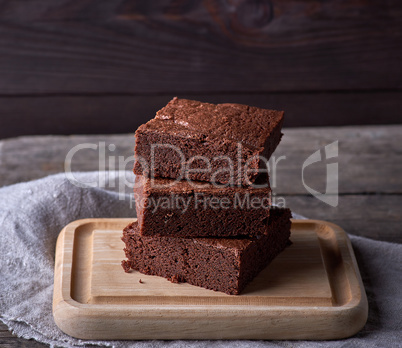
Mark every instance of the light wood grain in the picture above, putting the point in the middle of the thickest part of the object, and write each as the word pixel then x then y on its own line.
pixel 312 290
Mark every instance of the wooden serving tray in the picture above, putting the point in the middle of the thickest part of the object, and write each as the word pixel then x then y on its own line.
pixel 313 290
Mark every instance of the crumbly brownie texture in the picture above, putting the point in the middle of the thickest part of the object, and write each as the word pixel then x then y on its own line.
pixel 220 264
pixel 238 133
pixel 166 207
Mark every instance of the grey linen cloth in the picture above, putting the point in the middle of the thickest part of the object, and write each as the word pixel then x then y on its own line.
pixel 33 213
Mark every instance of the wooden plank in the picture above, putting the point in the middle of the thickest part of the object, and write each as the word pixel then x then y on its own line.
pixel 122 114
pixel 175 47
pixel 4 332
pixel 369 160
pixel 21 343
pixel 8 340
pixel 365 155
pixel 27 158
pixel 95 299
pixel 373 216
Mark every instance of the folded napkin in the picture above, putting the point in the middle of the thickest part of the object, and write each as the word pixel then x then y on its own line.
pixel 32 214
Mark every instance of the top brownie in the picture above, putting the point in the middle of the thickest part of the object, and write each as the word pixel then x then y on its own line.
pixel 221 143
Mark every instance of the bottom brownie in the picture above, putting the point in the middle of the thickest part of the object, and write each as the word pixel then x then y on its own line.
pixel 221 264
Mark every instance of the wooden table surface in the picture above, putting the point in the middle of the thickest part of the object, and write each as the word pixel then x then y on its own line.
pixel 370 176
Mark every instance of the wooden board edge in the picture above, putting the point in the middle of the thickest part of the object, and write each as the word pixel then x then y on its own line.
pixel 356 309
pixel 82 320
pixel 358 306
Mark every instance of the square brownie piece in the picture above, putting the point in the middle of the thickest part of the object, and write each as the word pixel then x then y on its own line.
pixel 167 207
pixel 222 143
pixel 221 264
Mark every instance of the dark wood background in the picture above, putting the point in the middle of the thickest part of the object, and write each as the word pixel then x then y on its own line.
pixel 103 66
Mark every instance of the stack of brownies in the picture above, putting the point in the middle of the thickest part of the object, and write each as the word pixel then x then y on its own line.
pixel 202 194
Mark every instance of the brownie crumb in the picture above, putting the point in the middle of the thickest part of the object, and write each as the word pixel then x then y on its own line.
pixel 126 265
pixel 175 279
pixel 140 281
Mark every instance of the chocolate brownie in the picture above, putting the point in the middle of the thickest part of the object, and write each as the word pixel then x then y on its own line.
pixel 166 207
pixel 221 143
pixel 221 264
